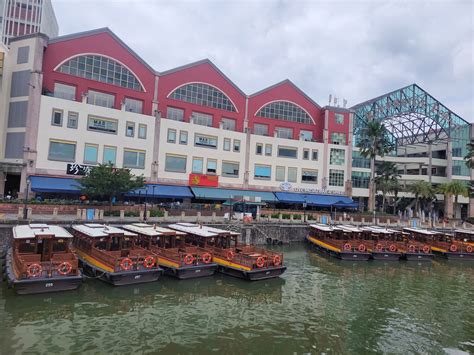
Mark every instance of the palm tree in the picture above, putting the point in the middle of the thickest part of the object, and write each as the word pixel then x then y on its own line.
pixel 422 190
pixel 456 188
pixel 374 142
pixel 386 180
pixel 387 186
pixel 469 158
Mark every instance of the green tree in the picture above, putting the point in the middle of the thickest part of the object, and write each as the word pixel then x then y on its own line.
pixel 374 142
pixel 422 190
pixel 469 158
pixel 456 188
pixel 386 180
pixel 106 182
pixel 387 187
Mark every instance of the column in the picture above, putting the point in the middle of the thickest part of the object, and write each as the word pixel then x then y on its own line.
pixel 430 160
pixel 325 153
pixel 350 137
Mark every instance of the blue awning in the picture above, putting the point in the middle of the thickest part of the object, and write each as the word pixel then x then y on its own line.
pixel 55 184
pixel 226 194
pixel 316 200
pixel 162 191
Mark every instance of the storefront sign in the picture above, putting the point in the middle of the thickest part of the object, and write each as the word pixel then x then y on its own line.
pixel 102 125
pixel 203 180
pixel 78 169
pixel 286 186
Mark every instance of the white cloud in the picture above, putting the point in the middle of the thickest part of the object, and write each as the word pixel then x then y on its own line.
pixel 353 49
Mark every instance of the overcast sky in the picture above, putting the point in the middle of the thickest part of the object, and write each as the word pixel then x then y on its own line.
pixel 352 49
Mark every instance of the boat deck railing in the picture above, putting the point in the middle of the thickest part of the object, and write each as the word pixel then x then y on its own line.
pixel 250 256
pixel 184 255
pixel 30 266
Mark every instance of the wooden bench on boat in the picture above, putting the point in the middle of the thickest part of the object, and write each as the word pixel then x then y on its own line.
pixel 233 259
pixel 41 260
pixel 112 255
pixel 174 255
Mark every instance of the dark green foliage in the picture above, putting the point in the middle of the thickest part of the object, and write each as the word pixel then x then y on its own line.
pixel 106 182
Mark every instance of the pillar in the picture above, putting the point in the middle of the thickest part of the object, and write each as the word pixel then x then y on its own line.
pixel 325 152
pixel 430 160
pixel 449 158
pixel 2 183
pixel 122 215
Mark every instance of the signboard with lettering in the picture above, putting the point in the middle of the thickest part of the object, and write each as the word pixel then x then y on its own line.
pixel 102 125
pixel 286 186
pixel 203 180
pixel 78 169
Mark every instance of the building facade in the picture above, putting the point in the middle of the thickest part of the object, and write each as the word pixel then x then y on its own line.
pixel 75 101
pixel 23 17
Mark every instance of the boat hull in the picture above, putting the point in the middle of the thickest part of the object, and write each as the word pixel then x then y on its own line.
pixel 121 278
pixel 190 272
pixel 40 285
pixel 418 257
pixel 455 256
pixel 387 256
pixel 253 275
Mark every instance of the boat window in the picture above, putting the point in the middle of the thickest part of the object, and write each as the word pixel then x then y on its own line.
pixel 101 245
pixel 59 246
pixel 127 243
pixel 25 248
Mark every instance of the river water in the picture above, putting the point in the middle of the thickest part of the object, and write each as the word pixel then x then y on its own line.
pixel 320 305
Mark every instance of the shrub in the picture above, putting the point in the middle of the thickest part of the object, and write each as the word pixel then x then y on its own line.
pixel 286 216
pixel 275 215
pixel 157 213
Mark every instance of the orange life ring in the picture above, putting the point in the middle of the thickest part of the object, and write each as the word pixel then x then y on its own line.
pixel 64 268
pixel 347 247
pixel 277 260
pixel 469 249
pixel 149 262
pixel 392 248
pixel 453 248
pixel 411 248
pixel 34 270
pixel 126 264
pixel 230 255
pixel 426 249
pixel 188 259
pixel 206 258
pixel 361 248
pixel 378 247
pixel 260 261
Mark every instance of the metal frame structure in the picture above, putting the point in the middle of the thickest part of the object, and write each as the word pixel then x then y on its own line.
pixel 411 115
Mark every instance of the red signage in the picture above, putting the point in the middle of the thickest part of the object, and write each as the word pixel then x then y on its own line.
pixel 203 180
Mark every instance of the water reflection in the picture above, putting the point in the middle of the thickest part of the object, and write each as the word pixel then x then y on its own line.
pixel 320 305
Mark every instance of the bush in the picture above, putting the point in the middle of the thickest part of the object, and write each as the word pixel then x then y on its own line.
pixel 286 216
pixel 275 215
pixel 132 214
pixel 157 213
pixel 112 213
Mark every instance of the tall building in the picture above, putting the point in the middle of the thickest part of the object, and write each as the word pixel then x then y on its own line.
pixel 22 17
pixel 75 101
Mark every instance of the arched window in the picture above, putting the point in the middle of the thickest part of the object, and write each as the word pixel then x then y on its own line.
pixel 103 69
pixel 286 111
pixel 203 94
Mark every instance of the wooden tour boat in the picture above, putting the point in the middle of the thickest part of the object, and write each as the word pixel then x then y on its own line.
pixel 178 259
pixel 112 255
pixel 386 244
pixel 466 235
pixel 40 260
pixel 344 242
pixel 453 246
pixel 418 244
pixel 244 261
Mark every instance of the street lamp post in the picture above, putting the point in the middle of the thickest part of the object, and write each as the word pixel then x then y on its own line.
pixel 304 209
pixel 25 209
pixel 146 195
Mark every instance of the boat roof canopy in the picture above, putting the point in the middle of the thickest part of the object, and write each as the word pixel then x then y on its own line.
pixel 420 231
pixel 32 231
pixel 200 230
pixel 465 231
pixel 95 230
pixel 323 227
pixel 348 228
pixel 150 230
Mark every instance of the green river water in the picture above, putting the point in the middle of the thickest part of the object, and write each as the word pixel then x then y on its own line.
pixel 320 305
